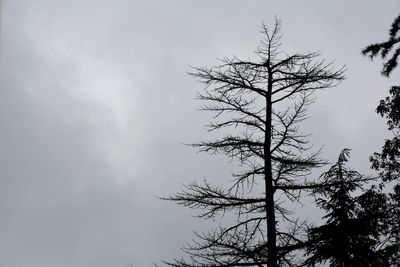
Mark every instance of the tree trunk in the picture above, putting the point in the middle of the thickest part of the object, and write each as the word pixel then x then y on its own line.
pixel 269 188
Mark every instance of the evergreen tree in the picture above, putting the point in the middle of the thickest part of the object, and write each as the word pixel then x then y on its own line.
pixel 387 162
pixel 351 234
pixel 384 48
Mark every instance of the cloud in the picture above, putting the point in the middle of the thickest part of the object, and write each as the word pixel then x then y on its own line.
pixel 95 104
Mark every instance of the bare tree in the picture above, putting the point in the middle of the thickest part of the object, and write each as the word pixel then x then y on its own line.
pixel 258 104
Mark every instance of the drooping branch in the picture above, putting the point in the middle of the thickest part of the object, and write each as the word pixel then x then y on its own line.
pixel 384 48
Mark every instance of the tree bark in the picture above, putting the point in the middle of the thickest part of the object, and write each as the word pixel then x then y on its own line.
pixel 269 187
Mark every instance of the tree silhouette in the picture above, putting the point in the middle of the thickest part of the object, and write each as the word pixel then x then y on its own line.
pixel 381 213
pixel 392 240
pixel 351 235
pixel 384 48
pixel 387 162
pixel 259 105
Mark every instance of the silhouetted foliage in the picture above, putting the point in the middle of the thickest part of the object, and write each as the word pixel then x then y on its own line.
pixel 351 235
pixel 382 210
pixel 392 240
pixel 260 105
pixel 388 161
pixel 384 48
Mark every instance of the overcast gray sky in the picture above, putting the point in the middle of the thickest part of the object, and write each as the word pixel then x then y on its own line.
pixel 95 104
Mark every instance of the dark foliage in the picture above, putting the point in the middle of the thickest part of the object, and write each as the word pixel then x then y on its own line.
pixel 351 235
pixel 391 242
pixel 386 47
pixel 388 161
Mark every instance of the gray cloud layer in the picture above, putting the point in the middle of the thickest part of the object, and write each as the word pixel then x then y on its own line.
pixel 95 104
